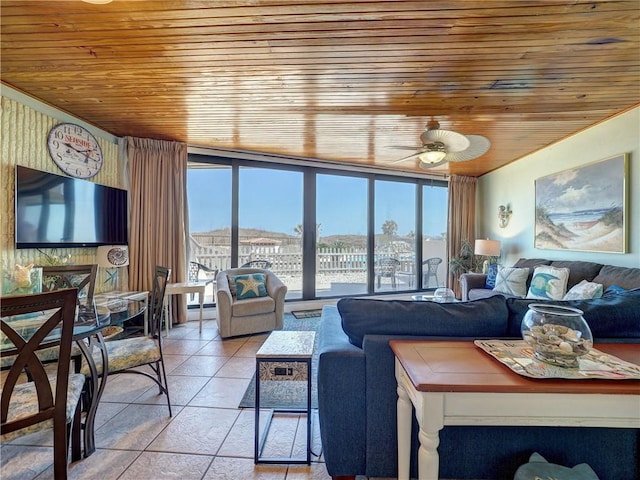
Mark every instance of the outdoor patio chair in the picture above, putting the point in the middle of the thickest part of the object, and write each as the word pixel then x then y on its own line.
pixel 194 274
pixel 261 311
pixel 387 268
pixel 431 270
pixel 265 264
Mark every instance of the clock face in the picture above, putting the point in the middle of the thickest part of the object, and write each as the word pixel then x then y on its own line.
pixel 75 150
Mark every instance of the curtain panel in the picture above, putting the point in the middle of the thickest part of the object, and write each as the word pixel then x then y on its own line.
pixel 158 201
pixel 462 220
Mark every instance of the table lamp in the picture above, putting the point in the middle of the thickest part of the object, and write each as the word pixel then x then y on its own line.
pixel 111 258
pixel 487 248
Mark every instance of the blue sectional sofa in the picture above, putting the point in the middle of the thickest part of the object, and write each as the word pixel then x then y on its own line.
pixel 357 389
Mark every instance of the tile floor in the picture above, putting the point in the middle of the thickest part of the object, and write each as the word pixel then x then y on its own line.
pixel 207 438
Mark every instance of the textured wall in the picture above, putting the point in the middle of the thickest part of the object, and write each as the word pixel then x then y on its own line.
pixel 23 141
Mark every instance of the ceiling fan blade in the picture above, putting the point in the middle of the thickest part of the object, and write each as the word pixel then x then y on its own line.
pixel 403 159
pixel 401 147
pixel 478 146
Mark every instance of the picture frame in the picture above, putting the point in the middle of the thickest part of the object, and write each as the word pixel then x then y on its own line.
pixel 584 208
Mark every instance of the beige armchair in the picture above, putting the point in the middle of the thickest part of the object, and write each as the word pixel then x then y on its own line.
pixel 251 315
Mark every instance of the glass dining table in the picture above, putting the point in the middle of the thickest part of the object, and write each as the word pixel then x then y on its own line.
pixel 91 319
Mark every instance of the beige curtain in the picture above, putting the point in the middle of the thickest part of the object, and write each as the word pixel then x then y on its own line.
pixel 157 175
pixel 462 219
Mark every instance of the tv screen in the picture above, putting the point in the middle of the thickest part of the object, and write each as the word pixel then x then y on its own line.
pixel 57 211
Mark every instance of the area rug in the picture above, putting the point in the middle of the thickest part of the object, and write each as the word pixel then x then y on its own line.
pixel 307 313
pixel 287 394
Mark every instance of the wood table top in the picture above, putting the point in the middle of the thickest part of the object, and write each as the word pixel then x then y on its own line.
pixel 434 366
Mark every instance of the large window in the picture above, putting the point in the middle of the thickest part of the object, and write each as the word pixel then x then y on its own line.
pixel 341 249
pixel 270 222
pixel 395 235
pixel 325 233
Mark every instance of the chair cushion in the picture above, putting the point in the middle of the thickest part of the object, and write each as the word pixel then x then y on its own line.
pixel 250 286
pixel 253 306
pixel 24 403
pixel 127 353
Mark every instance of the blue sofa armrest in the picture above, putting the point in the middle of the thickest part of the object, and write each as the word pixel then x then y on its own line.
pixel 341 397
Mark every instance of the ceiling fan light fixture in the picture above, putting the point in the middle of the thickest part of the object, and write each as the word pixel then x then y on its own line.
pixel 434 153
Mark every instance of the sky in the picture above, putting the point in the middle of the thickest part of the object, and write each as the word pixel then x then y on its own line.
pixel 272 200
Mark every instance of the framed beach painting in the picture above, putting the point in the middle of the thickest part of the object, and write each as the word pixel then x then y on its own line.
pixel 584 208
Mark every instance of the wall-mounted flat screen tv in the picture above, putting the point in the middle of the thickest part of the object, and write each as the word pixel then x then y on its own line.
pixel 57 211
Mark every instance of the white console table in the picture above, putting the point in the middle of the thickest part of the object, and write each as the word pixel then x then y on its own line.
pixel 182 288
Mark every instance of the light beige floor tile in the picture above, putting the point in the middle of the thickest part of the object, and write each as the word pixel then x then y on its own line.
pixel 221 393
pixel 155 465
pixel 281 436
pixel 135 427
pixel 106 411
pixel 102 464
pixel 205 365
pixel 240 441
pixel 206 334
pixel 221 348
pixel 171 362
pixel 223 468
pixel 249 349
pixel 196 430
pixel 125 387
pixel 182 347
pixel 24 463
pixel 238 367
pixel 182 389
pixel 300 444
pixel 315 471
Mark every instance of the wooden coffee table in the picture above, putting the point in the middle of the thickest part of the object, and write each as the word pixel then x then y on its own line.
pixel 456 383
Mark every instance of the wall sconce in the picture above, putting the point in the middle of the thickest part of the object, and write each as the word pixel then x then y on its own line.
pixel 504 213
pixel 111 258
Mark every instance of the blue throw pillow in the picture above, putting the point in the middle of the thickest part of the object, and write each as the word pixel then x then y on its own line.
pixel 490 282
pixel 250 286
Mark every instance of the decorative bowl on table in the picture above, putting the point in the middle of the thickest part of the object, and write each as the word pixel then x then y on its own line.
pixel 444 295
pixel 557 334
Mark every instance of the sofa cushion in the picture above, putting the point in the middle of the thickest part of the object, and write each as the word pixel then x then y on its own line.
pixel 253 306
pixel 624 277
pixel 578 270
pixel 584 291
pixel 614 315
pixel 479 318
pixel 512 281
pixel 250 286
pixel 548 283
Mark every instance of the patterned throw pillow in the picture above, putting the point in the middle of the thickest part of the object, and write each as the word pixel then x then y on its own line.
pixel 511 281
pixel 490 282
pixel 548 283
pixel 584 291
pixel 250 286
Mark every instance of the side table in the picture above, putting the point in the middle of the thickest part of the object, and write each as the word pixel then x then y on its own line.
pixel 284 356
pixel 179 288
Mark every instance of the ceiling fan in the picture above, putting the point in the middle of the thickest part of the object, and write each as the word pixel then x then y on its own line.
pixel 442 146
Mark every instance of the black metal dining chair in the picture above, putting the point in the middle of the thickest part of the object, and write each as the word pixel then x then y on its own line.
pixel 82 277
pixel 31 400
pixel 133 354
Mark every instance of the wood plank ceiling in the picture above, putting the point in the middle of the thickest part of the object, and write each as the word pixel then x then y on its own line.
pixel 340 81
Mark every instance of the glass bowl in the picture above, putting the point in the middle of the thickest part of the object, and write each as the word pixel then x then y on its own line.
pixel 558 335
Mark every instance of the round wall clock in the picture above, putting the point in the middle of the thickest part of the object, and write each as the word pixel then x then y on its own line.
pixel 75 150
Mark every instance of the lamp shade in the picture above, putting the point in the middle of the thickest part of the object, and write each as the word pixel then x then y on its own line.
pixel 109 256
pixel 487 248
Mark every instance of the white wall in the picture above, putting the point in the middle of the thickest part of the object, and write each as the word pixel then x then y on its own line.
pixel 514 185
